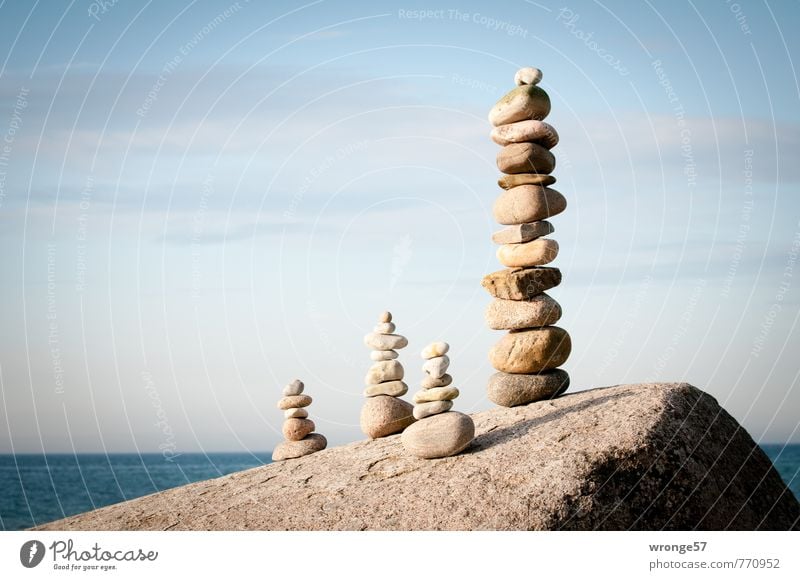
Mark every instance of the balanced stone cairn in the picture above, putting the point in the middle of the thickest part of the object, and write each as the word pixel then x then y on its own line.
pixel 528 356
pixel 438 432
pixel 383 412
pixel 297 427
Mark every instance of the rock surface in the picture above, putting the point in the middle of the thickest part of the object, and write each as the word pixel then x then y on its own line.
pixel 631 457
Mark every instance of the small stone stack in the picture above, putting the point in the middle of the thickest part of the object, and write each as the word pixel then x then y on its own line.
pixel 438 432
pixel 297 427
pixel 528 356
pixel 383 413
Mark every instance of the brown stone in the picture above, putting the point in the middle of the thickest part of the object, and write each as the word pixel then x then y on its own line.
pixel 522 233
pixel 511 390
pixel 391 388
pixel 519 104
pixel 509 181
pixel 429 382
pixel 436 394
pixel 293 449
pixel 526 132
pixel 441 435
pixel 295 429
pixel 541 310
pixel 525 158
pixel 294 402
pixel 531 351
pixel 384 415
pixel 534 253
pixel 521 283
pixel 527 203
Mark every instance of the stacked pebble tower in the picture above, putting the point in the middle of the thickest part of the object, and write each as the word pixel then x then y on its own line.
pixel 383 412
pixel 438 432
pixel 297 427
pixel 528 357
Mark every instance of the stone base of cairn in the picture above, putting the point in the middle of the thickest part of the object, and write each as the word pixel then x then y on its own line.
pixel 439 431
pixel 297 427
pixel 528 356
pixel 383 412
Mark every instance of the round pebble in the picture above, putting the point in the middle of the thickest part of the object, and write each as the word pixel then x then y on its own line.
pixel 525 158
pixel 294 388
pixel 534 253
pixel 440 435
pixel 435 349
pixel 294 402
pixel 386 316
pixel 384 328
pixel 531 351
pixel 429 382
pixel 384 354
pixel 527 76
pixel 296 413
pixel 541 310
pixel 525 102
pixel 526 132
pixel 437 366
pixel 384 415
pixel 382 371
pixel 378 341
pixel 527 203
pixel 293 449
pixel 296 429
pixel 512 390
pixel 433 408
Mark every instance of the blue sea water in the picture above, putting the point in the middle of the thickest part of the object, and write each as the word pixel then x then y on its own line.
pixel 40 488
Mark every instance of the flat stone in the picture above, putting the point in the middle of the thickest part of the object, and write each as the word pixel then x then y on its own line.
pixel 385 341
pixel 293 449
pixel 513 390
pixel 527 76
pixel 525 158
pixel 437 366
pixel 386 316
pixel 296 413
pixel 509 181
pixel 531 351
pixel 519 104
pixel 383 354
pixel 382 371
pixel 384 415
pixel 296 429
pixel 294 388
pixel 440 435
pixel 526 132
pixel 521 233
pixel 429 382
pixel 534 253
pixel 436 394
pixel 521 283
pixel 294 401
pixel 541 310
pixel 391 388
pixel 423 410
pixel 384 328
pixel 435 349
pixel 527 203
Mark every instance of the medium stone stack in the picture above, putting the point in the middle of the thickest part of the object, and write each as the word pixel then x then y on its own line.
pixel 438 432
pixel 297 427
pixel 528 357
pixel 383 412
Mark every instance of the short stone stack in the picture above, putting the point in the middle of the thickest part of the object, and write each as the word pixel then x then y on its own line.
pixel 297 427
pixel 438 432
pixel 383 412
pixel 528 357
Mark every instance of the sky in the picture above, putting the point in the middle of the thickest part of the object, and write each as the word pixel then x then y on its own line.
pixel 202 201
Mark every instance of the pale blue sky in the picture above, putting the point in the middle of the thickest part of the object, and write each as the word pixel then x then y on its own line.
pixel 201 202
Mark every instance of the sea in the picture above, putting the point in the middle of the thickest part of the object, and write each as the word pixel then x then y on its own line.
pixel 37 489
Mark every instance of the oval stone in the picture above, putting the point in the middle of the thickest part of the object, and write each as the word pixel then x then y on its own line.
pixel 528 76
pixel 522 233
pixel 384 415
pixel 531 351
pixel 436 394
pixel 440 435
pixel 530 131
pixel 521 283
pixel 293 449
pixel 541 310
pixel 378 341
pixel 429 382
pixel 294 402
pixel 296 429
pixel 512 390
pixel 433 408
pixel 382 371
pixel 519 104
pixel 383 354
pixel 435 349
pixel 437 366
pixel 294 388
pixel 525 158
pixel 386 316
pixel 527 203
pixel 391 388
pixel 535 253
pixel 384 328
pixel 296 413
pixel 509 181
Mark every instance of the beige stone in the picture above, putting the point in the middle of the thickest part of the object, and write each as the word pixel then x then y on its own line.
pixel 534 253
pixel 524 102
pixel 384 415
pixel 294 388
pixel 293 449
pixel 437 366
pixel 525 158
pixel 441 435
pixel 527 203
pixel 386 316
pixel 531 351
pixel 541 310
pixel 429 382
pixel 382 371
pixel 294 402
pixel 521 283
pixel 512 390
pixel 436 394
pixel 385 341
pixel 391 388
pixel 296 429
pixel 383 354
pixel 509 181
pixel 521 233
pixel 435 349
pixel 528 76
pixel 295 413
pixel 423 410
pixel 526 132
pixel 384 328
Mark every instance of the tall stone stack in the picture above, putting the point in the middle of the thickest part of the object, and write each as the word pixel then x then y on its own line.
pixel 297 427
pixel 528 357
pixel 439 431
pixel 383 412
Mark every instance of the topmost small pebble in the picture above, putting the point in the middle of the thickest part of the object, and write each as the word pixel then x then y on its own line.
pixel 386 316
pixel 528 76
